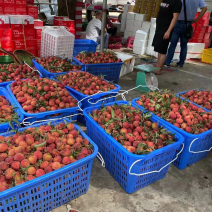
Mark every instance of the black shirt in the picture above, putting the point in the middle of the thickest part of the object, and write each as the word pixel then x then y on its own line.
pixel 165 15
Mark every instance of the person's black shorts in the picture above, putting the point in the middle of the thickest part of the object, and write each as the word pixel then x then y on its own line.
pixel 160 45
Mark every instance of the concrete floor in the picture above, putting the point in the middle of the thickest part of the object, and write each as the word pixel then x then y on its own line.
pixel 188 190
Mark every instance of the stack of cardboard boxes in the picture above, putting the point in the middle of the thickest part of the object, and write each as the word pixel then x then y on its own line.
pixel 20 32
pixel 202 30
pixel 18 7
pixel 134 22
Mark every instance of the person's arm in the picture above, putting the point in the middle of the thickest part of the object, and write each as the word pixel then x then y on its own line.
pixel 203 11
pixel 171 26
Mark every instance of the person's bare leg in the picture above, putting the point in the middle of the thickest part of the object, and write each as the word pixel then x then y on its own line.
pixel 160 63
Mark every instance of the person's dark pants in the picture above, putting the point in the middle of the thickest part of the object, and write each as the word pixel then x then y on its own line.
pixel 178 33
pixel 112 31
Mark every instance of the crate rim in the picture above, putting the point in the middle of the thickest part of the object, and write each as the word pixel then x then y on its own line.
pixel 45 70
pixel 94 95
pixel 102 64
pixel 55 173
pixel 176 128
pixel 11 101
pixel 42 113
pixel 81 40
pixel 134 156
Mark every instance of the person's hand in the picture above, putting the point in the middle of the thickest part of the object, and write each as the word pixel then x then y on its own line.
pixel 195 21
pixel 166 35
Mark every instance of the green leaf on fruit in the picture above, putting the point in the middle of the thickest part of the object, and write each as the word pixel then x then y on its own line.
pixel 112 113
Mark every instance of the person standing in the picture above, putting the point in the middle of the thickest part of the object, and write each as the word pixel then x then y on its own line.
pixel 180 29
pixel 166 20
pixel 113 29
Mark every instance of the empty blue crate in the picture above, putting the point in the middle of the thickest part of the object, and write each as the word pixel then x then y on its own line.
pixel 5 126
pixel 43 116
pixel 110 71
pixel 196 147
pixel 125 166
pixel 82 45
pixel 51 190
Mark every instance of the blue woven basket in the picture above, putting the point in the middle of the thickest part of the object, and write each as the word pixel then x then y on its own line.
pixel 5 127
pixel 110 71
pixel 32 117
pixel 193 144
pixel 46 73
pixel 82 45
pixel 53 189
pixel 122 164
pixel 184 92
pixel 96 99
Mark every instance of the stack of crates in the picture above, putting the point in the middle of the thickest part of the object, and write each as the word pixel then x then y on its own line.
pixel 57 41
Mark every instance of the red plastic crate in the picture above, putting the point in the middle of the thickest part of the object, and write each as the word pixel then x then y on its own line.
pixel 115 39
pixel 114 46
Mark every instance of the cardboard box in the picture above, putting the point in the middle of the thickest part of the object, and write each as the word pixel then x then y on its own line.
pixel 2 2
pixel 127 34
pixel 146 25
pixel 17 22
pixel 9 2
pixel 38 32
pixel 6 34
pixel 38 23
pixel 68 23
pixel 7 45
pixel 30 2
pixel 38 44
pixel 140 17
pixel 30 45
pixel 137 24
pixel 38 53
pixel 131 16
pixel 20 2
pixel 4 22
pixel 18 34
pixel 129 28
pixel 20 10
pixel 32 11
pixel 1 10
pixel 9 10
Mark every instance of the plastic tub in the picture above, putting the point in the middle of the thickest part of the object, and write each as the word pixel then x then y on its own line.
pixel 196 147
pixel 81 45
pixel 128 169
pixel 53 189
pixel 5 127
pixel 111 71
pixel 44 72
pixel 32 117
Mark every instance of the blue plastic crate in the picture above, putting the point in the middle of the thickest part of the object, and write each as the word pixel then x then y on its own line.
pixel 90 101
pixel 193 144
pixel 184 92
pixel 122 164
pixel 81 45
pixel 32 117
pixel 5 127
pixel 53 189
pixel 4 84
pixel 46 73
pixel 110 71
